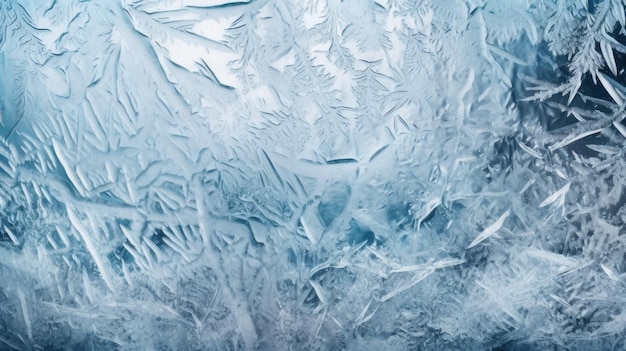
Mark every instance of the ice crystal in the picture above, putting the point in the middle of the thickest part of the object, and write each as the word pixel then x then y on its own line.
pixel 316 175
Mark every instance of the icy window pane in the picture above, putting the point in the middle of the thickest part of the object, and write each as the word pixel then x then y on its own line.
pixel 312 175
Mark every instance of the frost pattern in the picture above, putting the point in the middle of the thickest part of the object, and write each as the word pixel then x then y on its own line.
pixel 316 175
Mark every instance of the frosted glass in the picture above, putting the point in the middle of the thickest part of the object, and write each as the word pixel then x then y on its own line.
pixel 312 175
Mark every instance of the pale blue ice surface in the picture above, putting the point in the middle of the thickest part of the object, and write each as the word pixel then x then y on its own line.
pixel 312 175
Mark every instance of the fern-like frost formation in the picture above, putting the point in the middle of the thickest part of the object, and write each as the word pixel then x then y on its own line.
pixel 312 175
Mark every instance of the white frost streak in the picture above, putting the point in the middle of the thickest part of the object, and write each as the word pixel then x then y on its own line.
pixel 69 169
pixel 448 262
pixel 92 248
pixel 609 272
pixel 572 138
pixel 607 53
pixel 620 128
pixel 428 208
pixel 558 195
pixel 610 88
pixel 11 236
pixel 529 150
pixel 490 230
pixel 29 328
pixel 418 277
pixel 312 224
pixel 319 291
pixel 560 300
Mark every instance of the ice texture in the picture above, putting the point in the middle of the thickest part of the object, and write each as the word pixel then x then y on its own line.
pixel 312 175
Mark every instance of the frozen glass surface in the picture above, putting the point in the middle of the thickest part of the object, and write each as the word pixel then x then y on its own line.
pixel 312 175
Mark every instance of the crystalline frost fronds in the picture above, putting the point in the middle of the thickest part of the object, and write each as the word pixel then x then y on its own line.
pixel 312 174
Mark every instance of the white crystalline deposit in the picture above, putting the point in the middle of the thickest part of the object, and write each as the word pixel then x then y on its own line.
pixel 312 175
